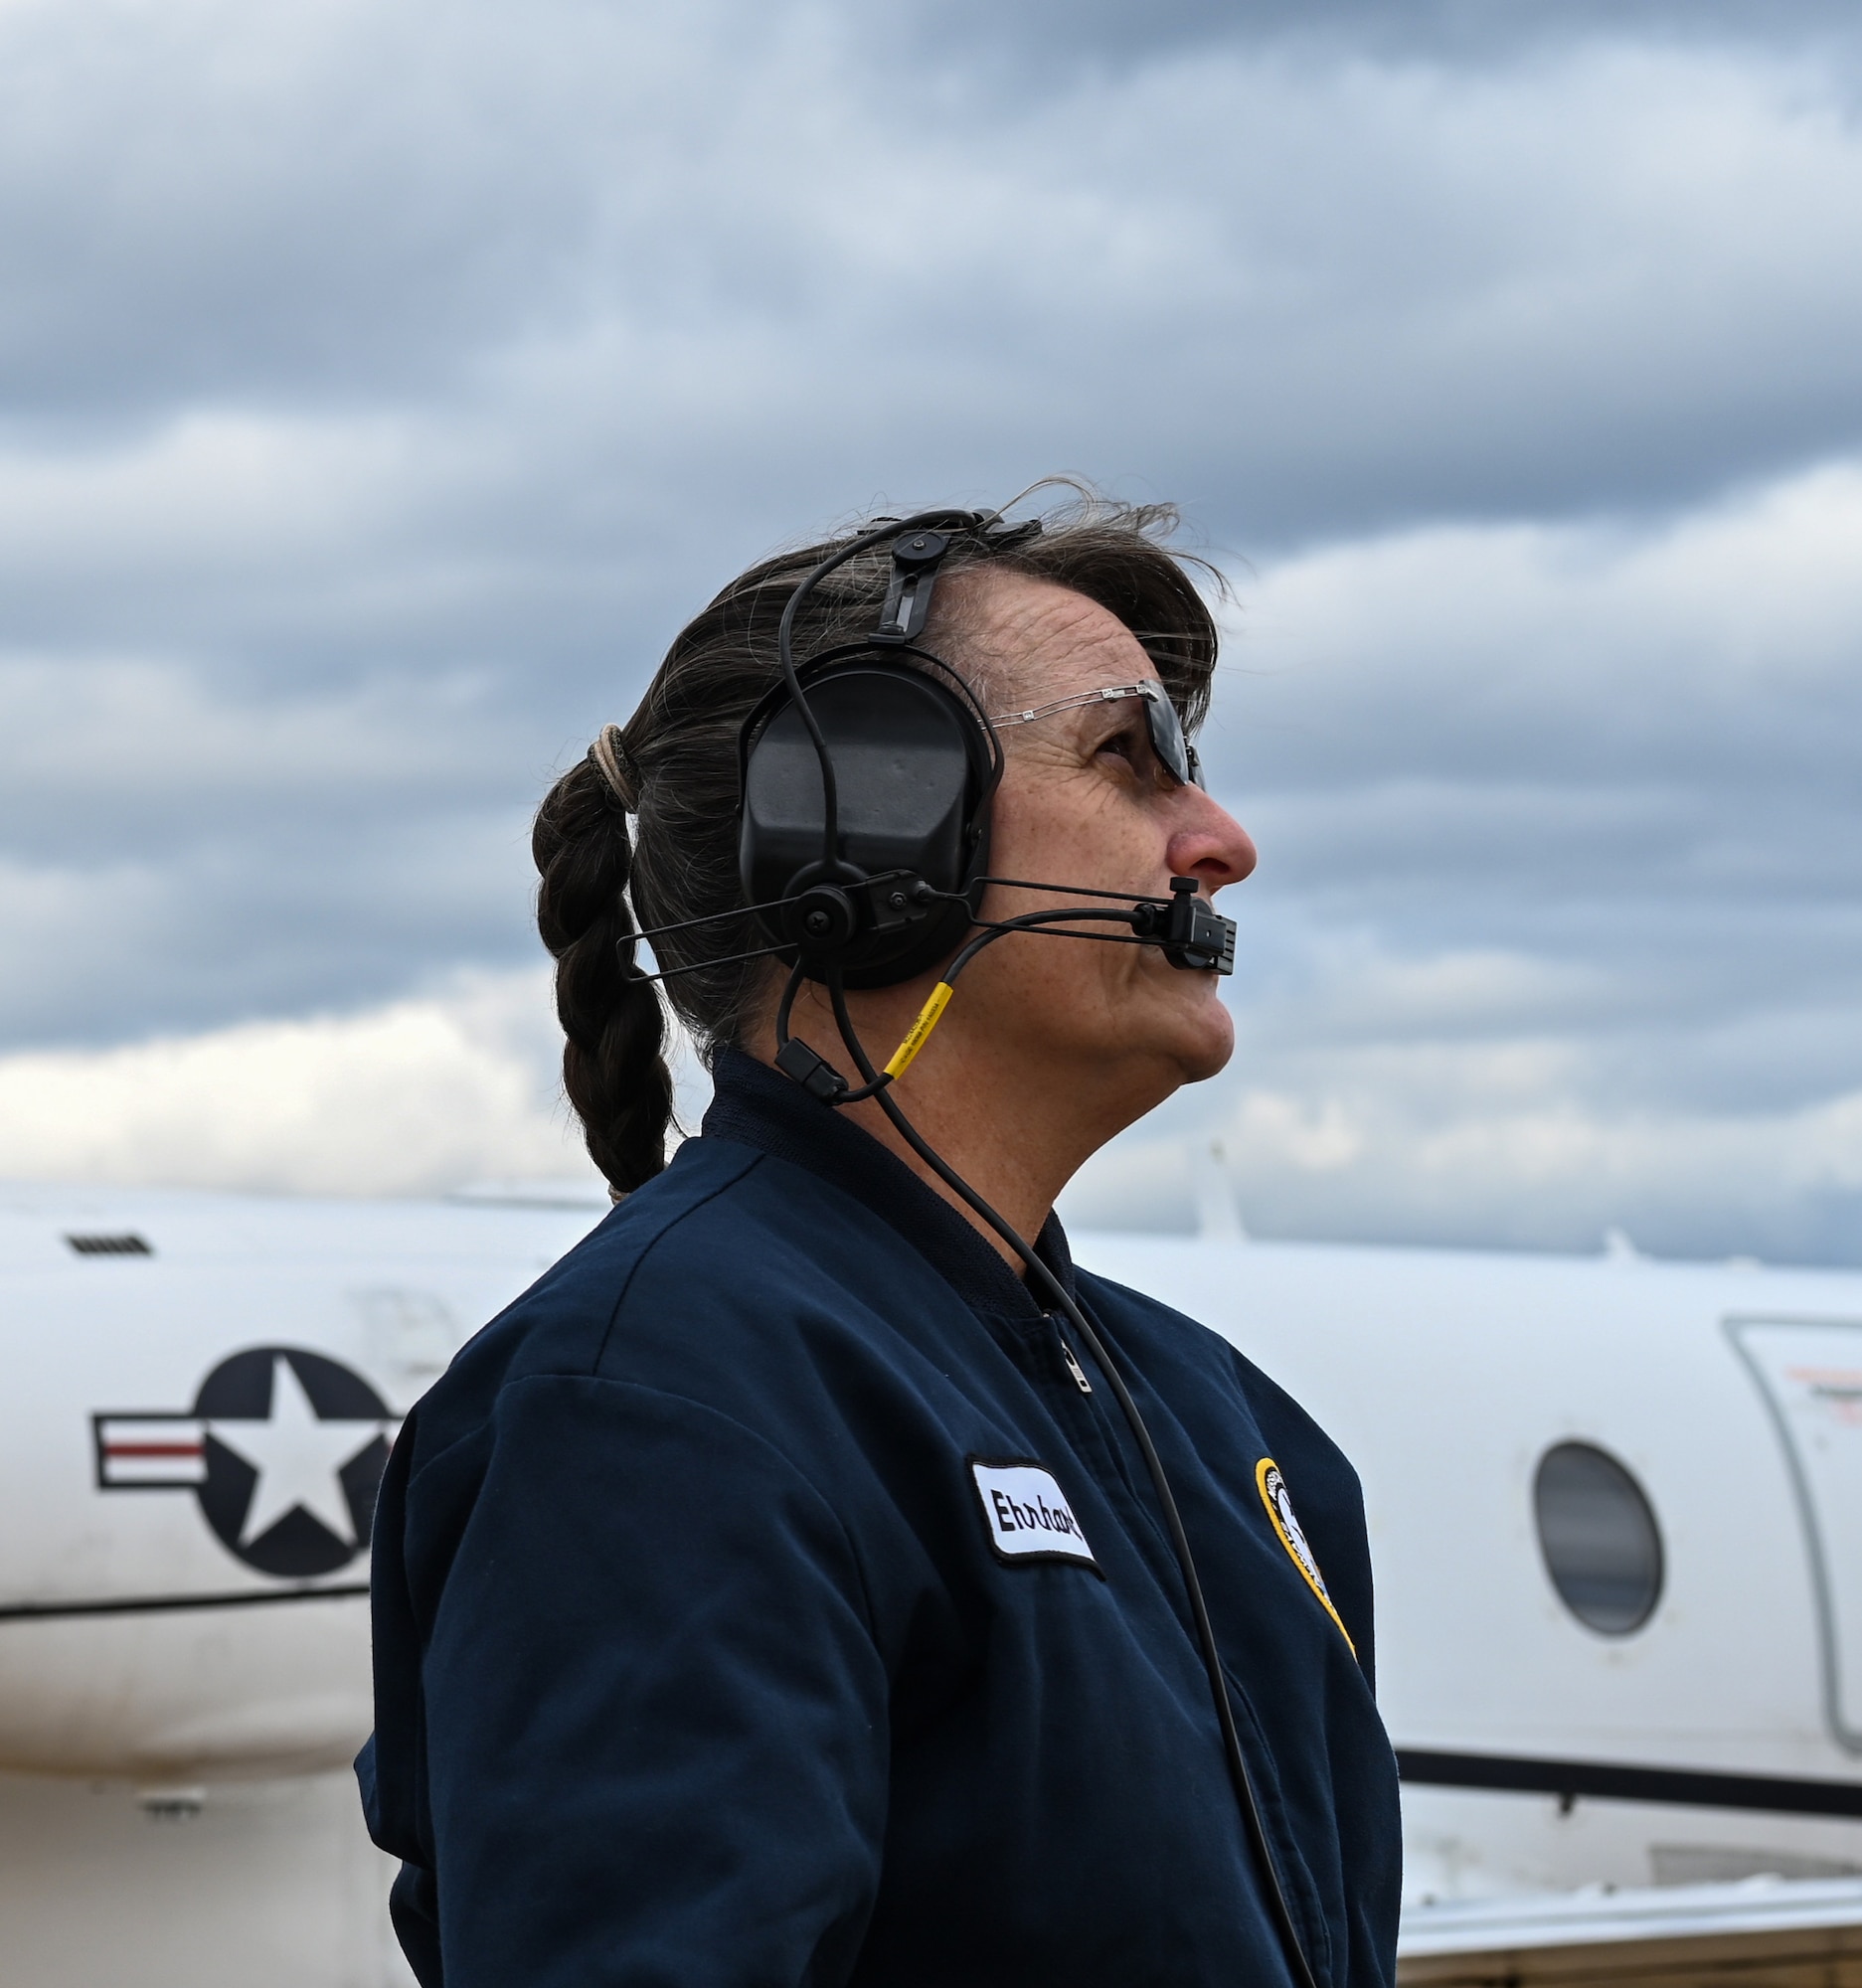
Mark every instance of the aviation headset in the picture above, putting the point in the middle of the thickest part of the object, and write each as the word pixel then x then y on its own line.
pixel 866 776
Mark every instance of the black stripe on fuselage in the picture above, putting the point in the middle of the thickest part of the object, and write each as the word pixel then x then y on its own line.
pixel 158 1604
pixel 1606 1780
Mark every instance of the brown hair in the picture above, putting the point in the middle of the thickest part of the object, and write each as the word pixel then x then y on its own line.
pixel 674 767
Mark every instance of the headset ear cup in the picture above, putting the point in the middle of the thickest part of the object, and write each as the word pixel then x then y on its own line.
pixel 914 768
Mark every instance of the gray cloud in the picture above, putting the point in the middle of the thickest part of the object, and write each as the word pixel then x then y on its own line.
pixel 379 388
pixel 1309 293
pixel 1557 927
pixel 199 203
pixel 1458 32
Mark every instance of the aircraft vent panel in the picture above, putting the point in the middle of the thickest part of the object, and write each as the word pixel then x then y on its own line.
pixel 109 1245
pixel 1599 1537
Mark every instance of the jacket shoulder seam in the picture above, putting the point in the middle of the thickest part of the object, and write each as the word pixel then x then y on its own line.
pixel 752 1437
pixel 647 1248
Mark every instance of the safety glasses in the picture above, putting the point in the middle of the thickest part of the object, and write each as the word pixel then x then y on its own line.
pixel 1174 751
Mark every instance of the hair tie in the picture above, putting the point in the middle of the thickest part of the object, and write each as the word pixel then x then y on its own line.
pixel 610 754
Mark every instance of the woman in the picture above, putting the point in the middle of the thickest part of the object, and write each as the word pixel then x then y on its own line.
pixel 799 1584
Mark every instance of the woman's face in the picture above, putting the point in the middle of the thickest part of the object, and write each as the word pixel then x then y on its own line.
pixel 1085 801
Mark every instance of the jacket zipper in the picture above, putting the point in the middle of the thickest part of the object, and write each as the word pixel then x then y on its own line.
pixel 1072 1365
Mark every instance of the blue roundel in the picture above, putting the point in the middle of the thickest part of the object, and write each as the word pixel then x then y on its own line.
pixel 294 1445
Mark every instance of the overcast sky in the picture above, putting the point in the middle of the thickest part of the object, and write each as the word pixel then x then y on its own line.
pixel 381 384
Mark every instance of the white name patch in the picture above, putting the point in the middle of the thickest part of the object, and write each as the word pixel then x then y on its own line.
pixel 1024 1513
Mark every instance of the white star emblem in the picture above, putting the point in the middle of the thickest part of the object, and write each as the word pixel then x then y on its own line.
pixel 297 1457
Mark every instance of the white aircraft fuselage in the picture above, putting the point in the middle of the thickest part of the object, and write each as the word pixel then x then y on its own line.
pixel 1657 1686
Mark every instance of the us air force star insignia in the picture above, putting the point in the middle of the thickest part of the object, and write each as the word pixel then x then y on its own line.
pixel 297 1457
pixel 285 1450
pixel 1273 1495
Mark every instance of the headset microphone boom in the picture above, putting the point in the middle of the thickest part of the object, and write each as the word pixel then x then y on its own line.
pixel 866 774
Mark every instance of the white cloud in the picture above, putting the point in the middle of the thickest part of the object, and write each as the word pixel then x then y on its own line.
pixel 418 1096
pixel 379 387
pixel 422 1095
pixel 1518 966
pixel 1556 927
pixel 1636 639
pixel 160 736
pixel 1621 750
pixel 1295 284
pixel 1484 1147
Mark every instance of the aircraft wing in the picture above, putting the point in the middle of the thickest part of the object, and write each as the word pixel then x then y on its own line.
pixel 1766 1932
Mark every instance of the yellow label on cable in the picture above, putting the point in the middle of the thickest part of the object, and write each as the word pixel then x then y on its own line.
pixel 920 1029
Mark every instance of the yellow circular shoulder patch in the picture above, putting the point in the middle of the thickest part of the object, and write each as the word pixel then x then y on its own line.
pixel 1273 1495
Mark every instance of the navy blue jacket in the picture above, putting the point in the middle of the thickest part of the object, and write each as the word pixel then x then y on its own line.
pixel 706 1654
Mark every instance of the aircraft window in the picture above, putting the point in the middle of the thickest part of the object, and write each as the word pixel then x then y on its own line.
pixel 1598 1536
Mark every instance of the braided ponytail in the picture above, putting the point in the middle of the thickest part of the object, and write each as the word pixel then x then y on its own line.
pixel 613 1069
pixel 674 768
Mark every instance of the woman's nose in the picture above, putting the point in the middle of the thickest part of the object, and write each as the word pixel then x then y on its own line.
pixel 1208 842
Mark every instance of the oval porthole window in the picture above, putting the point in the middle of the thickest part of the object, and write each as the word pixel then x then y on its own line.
pixel 1598 1533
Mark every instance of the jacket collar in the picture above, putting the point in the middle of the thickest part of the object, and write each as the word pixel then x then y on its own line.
pixel 755 1105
